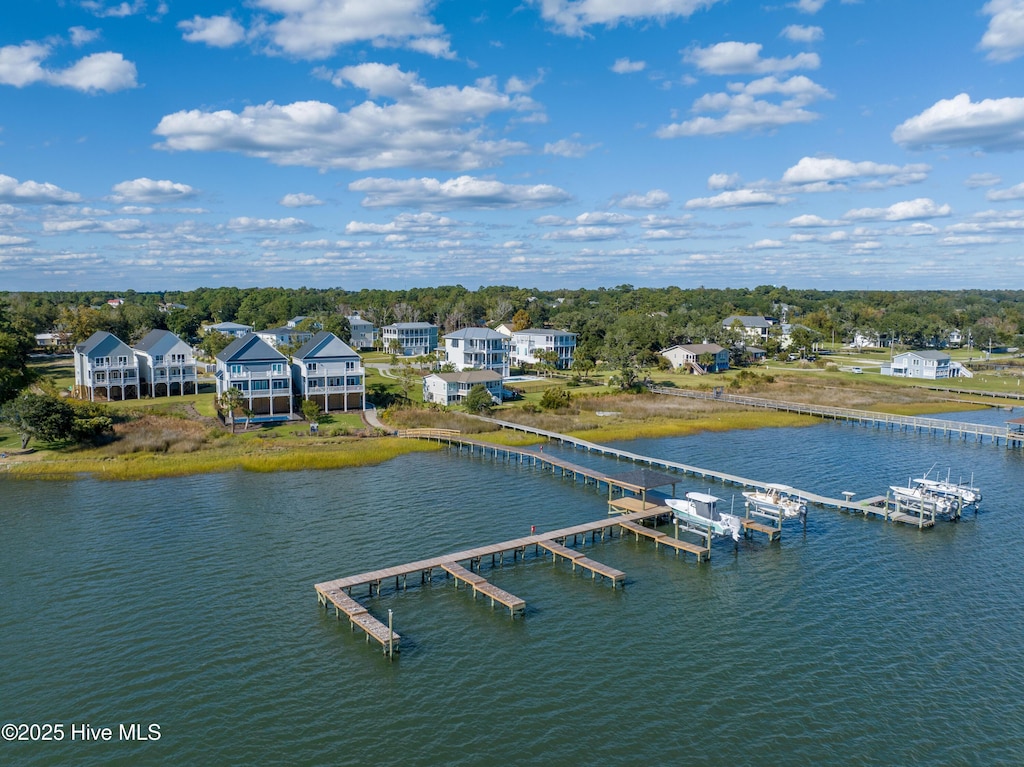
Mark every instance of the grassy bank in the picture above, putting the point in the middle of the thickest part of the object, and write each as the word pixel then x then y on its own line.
pixel 276 456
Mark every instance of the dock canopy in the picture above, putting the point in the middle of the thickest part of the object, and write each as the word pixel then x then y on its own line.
pixel 640 481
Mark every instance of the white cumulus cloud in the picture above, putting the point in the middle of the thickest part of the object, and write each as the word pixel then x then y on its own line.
pixel 34 192
pixel 216 31
pixel 1001 195
pixel 150 190
pixel 656 198
pixel 300 200
pixel 22 65
pixel 461 192
pixel 412 125
pixel 908 210
pixel 626 66
pixel 315 29
pixel 825 172
pixel 801 34
pixel 739 198
pixel 1004 38
pixel 733 58
pixel 991 124
pixel 572 17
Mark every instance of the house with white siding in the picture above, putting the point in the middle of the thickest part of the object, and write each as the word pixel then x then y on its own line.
pixel 328 371
pixel 285 336
pixel 105 366
pixel 931 365
pixel 410 339
pixel 260 372
pixel 527 343
pixel 453 388
pixel 233 329
pixel 688 356
pixel 478 349
pixel 166 363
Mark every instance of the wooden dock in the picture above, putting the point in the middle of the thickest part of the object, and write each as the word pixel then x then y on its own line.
pixel 543 460
pixel 359 616
pixel 485 587
pixel 577 557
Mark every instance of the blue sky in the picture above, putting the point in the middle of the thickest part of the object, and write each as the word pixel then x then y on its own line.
pixel 831 144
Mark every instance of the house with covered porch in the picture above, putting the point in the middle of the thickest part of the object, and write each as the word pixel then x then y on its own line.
pixel 697 358
pixel 260 372
pixel 105 366
pixel 328 371
pixel 166 365
pixel 453 388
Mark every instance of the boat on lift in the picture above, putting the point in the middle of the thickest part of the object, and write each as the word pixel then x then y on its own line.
pixel 699 511
pixel 776 501
pixel 920 499
pixel 964 492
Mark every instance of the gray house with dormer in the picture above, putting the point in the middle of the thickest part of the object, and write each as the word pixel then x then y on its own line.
pixel 328 371
pixel 260 372
pixel 166 365
pixel 105 366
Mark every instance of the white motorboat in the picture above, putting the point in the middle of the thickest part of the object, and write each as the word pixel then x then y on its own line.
pixel 920 499
pixel 965 493
pixel 775 501
pixel 700 511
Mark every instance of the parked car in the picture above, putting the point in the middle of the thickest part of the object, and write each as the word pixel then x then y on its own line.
pixel 856 370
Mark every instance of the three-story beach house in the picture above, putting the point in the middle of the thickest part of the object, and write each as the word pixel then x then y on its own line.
pixel 526 344
pixel 327 370
pixel 362 333
pixel 105 366
pixel 409 339
pixel 166 365
pixel 478 349
pixel 260 372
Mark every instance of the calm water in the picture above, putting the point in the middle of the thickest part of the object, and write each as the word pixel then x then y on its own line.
pixel 189 603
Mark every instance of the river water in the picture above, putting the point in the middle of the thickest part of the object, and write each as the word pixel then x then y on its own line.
pixel 189 604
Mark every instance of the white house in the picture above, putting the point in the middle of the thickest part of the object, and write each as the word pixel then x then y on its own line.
pixel 363 334
pixel 165 361
pixel 259 371
pixel 932 365
pixel 689 356
pixel 754 327
pixel 414 339
pixel 452 388
pixel 478 349
pixel 526 344
pixel 233 329
pixel 284 336
pixel 106 365
pixel 327 370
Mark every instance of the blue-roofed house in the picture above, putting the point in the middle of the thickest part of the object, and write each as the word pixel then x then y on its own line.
pixel 233 329
pixel 260 372
pixel 166 363
pixel 105 366
pixel 328 371
pixel 410 339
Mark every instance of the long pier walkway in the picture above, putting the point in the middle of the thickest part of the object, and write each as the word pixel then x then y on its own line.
pixel 1010 437
pixel 874 505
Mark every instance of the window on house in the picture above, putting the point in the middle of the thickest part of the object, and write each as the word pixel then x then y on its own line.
pixel 279 384
pixel 236 369
pixel 157 359
pixel 277 368
pixel 122 361
pixel 311 367
pixel 259 385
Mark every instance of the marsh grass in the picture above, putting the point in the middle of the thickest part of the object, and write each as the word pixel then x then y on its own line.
pixel 135 466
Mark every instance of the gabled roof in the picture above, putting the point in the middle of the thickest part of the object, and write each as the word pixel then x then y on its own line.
pixel 468 376
pixel 158 342
pixel 696 348
pixel 355 319
pixel 477 333
pixel 228 326
pixel 748 321
pixel 250 348
pixel 927 355
pixel 284 330
pixel 101 344
pixel 541 332
pixel 324 345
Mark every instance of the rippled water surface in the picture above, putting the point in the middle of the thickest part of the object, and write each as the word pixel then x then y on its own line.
pixel 190 603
